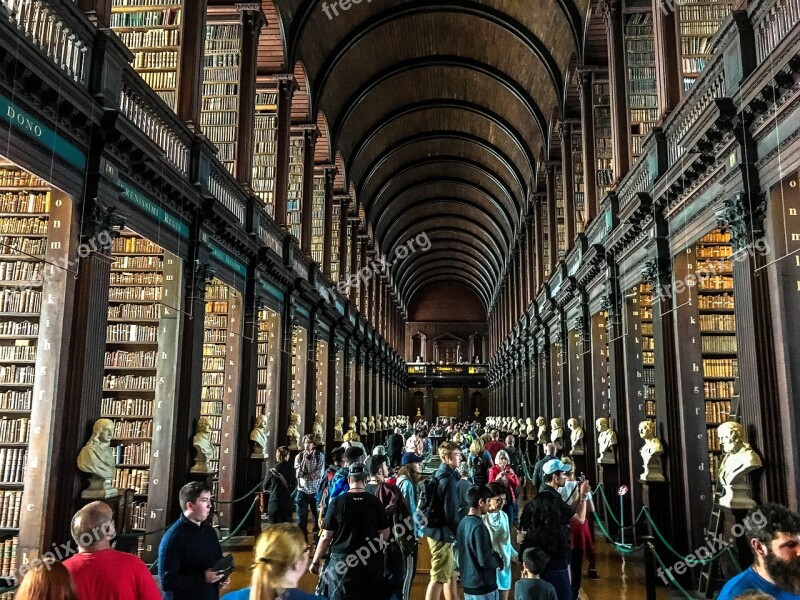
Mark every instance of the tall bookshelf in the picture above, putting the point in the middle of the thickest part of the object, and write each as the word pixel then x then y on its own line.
pixel 269 332
pixel 640 60
pixel 265 147
pixel 151 29
pixel 318 218
pixel 294 201
pixel 298 374
pixel 215 346
pixel 604 156
pixel 601 365
pixel 24 222
pixel 220 104
pixel 576 147
pixel 321 396
pixel 715 304
pixel 339 388
pixel 698 22
pixel 561 227
pixel 648 350
pixel 334 241
pixel 545 240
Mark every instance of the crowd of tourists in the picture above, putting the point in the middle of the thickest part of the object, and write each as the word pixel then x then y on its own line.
pixel 357 520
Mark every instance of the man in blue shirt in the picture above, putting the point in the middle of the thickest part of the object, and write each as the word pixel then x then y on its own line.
pixel 774 535
pixel 477 559
pixel 190 548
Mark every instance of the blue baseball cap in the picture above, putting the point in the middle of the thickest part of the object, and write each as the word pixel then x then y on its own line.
pixel 410 457
pixel 551 466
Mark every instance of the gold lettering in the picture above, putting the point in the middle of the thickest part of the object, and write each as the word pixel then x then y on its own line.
pixel 793 212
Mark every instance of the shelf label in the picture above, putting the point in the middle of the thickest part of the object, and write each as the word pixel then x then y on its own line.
pixel 153 209
pixel 226 259
pixel 34 129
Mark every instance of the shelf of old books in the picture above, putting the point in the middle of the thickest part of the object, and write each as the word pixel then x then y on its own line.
pixel 717 321
pixel 294 198
pixel 601 366
pixel 351 400
pixel 698 22
pixel 320 398
pixel 140 356
pixel 561 227
pixel 576 147
pixel 640 62
pixel 334 241
pixel 298 373
pixel 648 350
pixel 269 357
pixel 220 102
pixel 545 228
pixel 318 218
pixel 604 154
pixel 339 386
pixel 265 147
pixel 151 29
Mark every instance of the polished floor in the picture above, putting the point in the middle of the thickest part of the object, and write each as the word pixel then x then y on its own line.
pixel 620 578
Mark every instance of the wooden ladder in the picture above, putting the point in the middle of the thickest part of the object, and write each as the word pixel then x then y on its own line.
pixel 711 576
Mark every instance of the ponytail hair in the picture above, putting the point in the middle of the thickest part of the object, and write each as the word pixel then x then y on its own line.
pixel 277 548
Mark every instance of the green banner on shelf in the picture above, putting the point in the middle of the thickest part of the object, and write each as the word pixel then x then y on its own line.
pixel 302 311
pixel 153 209
pixel 272 290
pixel 36 130
pixel 226 259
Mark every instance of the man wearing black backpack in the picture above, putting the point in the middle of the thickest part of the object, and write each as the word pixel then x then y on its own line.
pixel 439 502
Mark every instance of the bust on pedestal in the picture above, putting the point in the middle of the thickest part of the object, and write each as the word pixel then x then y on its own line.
pixel 557 432
pixel 338 429
pixel 575 437
pixel 362 430
pixel 318 429
pixel 541 431
pixel 98 460
pixel 606 440
pixel 204 446
pixel 293 431
pixel 739 461
pixel 371 424
pixel 530 430
pixel 651 453
pixel 353 424
pixel 260 436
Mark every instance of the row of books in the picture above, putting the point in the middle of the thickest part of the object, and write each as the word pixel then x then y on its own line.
pixel 122 407
pixel 717 411
pixel 139 428
pixel 139 516
pixel 155 60
pixel 13 400
pixel 215 336
pixel 220 89
pixel 712 439
pixel 211 408
pixel 723 322
pixel 219 307
pixel 137 262
pixel 152 294
pixel 129 332
pixel 717 389
pixel 213 349
pixel 715 251
pixel 716 282
pixel 12 245
pixel 118 278
pixel 698 13
pixel 24 202
pixel 17 374
pixel 227 103
pixel 134 245
pixel 18 352
pixel 134 454
pixel 129 382
pixel 216 320
pixel 14 431
pixel 137 480
pixel 717 301
pixel 719 343
pixel 23 225
pixel 12 464
pixel 213 379
pixel 8 557
pixel 160 80
pixel 123 3
pixel 10 504
pixel 721 367
pixel 20 301
pixel 149 18
pixel 213 364
pixel 151 38
pixel 123 358
pixel 20 178
pixel 217 118
pixel 216 291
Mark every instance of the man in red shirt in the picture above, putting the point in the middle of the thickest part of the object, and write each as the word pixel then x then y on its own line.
pixel 99 571
pixel 495 445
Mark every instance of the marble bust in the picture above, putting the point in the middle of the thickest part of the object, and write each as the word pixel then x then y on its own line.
pixel 338 429
pixel 260 436
pixel 353 424
pixel 541 431
pixel 204 446
pixel 380 424
pixel 318 428
pixel 530 429
pixel 575 437
pixel 371 424
pixel 556 432
pixel 362 430
pixel 97 458
pixel 651 453
pixel 738 461
pixel 293 431
pixel 606 440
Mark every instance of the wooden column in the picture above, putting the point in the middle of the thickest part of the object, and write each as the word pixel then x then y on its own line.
pixel 286 88
pixel 669 81
pixel 311 371
pixel 362 283
pixel 568 181
pixel 310 133
pixel 521 275
pixel 252 21
pixel 552 221
pixel 355 253
pixel 285 385
pixel 191 57
pixel 344 207
pixel 98 11
pixel 612 14
pixel 583 79
pixel 329 172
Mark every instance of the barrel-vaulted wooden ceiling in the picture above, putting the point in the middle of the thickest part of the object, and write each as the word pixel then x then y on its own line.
pixel 441 110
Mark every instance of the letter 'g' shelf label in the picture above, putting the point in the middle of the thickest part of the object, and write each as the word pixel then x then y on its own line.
pixel 34 129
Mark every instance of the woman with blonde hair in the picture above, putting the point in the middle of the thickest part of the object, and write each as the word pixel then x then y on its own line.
pixel 46 581
pixel 281 558
pixel 480 461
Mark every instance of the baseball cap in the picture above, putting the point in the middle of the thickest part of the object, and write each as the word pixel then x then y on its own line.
pixel 551 466
pixel 410 457
pixel 357 468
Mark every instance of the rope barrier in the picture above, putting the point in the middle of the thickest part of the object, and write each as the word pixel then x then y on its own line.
pixel 245 497
pixel 140 533
pixel 671 578
pixel 244 520
pixel 621 548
